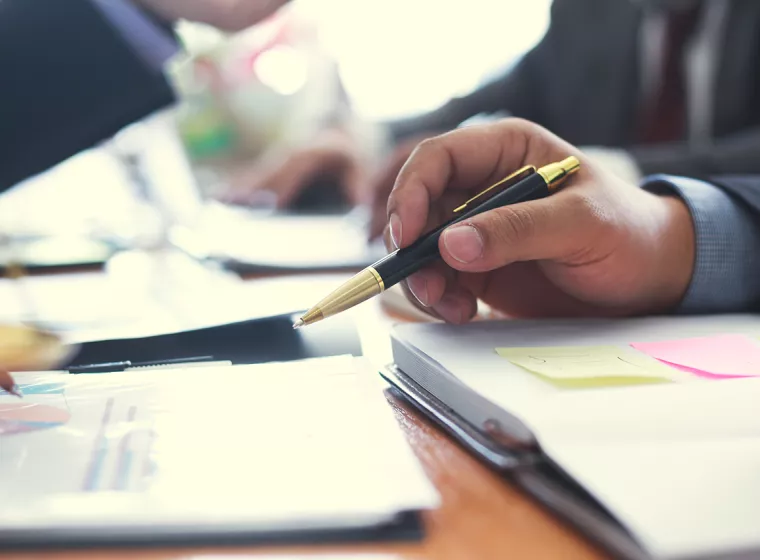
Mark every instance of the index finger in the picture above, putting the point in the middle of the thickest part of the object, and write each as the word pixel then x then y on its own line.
pixel 463 159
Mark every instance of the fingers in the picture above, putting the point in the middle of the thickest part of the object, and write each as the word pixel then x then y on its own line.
pixel 466 159
pixel 429 290
pixel 271 183
pixel 437 291
pixel 457 305
pixel 559 227
pixel 429 284
pixel 281 178
pixel 285 182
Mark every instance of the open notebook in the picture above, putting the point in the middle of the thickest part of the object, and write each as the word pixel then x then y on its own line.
pixel 210 455
pixel 644 433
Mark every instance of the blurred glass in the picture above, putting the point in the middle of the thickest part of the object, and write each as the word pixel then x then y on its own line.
pixel 163 185
pixel 265 88
pixel 273 86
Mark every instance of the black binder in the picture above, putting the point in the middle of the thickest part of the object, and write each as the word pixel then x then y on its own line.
pixel 528 469
pixel 256 341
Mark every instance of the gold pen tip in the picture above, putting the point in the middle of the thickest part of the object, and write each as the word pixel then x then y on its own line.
pixel 298 324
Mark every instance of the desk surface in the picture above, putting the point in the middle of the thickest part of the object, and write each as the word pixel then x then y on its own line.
pixel 481 516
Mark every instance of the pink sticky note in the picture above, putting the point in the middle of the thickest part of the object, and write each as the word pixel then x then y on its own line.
pixel 700 373
pixel 721 356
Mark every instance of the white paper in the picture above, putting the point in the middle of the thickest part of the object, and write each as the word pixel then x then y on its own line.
pixel 682 498
pixel 131 298
pixel 677 463
pixel 300 445
pixel 289 242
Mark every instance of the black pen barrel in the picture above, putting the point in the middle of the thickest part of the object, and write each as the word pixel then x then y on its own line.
pixel 404 262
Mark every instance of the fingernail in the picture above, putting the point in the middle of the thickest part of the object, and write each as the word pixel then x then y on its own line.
pixel 450 309
pixel 418 286
pixel 464 243
pixel 395 223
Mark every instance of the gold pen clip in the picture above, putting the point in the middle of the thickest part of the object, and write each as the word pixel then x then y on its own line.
pixel 504 184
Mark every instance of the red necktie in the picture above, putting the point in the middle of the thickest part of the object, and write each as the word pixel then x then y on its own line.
pixel 664 115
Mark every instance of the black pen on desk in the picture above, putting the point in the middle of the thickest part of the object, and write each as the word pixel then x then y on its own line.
pixel 527 183
pixel 126 365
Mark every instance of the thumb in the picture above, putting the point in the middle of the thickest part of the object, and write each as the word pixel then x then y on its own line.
pixel 556 227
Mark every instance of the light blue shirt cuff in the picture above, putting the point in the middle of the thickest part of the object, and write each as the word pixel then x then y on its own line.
pixel 727 268
pixel 153 44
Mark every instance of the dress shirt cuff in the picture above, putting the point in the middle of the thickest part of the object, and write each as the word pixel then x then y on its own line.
pixel 153 43
pixel 727 265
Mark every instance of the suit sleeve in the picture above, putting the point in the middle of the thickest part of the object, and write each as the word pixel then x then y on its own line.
pixel 735 153
pixel 69 81
pixel 726 217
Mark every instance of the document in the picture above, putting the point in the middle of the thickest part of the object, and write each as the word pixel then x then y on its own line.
pixel 676 464
pixel 247 241
pixel 246 450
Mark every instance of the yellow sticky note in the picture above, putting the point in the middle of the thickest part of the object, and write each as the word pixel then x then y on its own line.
pixel 577 367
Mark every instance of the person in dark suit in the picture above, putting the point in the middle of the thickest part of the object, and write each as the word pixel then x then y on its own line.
pixel 600 246
pixel 74 72
pixel 649 86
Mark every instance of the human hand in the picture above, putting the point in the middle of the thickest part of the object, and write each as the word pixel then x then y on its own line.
pixel 281 176
pixel 230 15
pixel 598 247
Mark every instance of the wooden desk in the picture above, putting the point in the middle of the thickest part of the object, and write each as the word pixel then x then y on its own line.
pixel 481 517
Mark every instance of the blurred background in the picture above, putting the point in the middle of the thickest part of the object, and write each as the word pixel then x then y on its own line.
pixel 271 86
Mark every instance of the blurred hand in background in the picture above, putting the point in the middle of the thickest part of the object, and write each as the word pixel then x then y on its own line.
pixel 279 177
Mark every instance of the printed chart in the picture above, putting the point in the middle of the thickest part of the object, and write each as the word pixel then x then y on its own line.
pixel 18 418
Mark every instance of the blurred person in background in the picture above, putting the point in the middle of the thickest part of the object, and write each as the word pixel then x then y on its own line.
pixel 646 86
pixel 75 72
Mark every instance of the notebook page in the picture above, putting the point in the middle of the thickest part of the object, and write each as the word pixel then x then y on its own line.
pixel 469 354
pixel 322 241
pixel 266 447
pixel 681 498
pixel 676 463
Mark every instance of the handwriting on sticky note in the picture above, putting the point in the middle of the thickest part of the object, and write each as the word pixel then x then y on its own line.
pixel 588 366
pixel 723 356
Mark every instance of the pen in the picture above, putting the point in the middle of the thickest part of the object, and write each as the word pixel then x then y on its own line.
pixel 112 367
pixel 527 183
pixel 7 383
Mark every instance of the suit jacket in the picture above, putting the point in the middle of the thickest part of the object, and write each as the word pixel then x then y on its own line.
pixel 67 81
pixel 582 82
